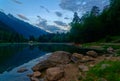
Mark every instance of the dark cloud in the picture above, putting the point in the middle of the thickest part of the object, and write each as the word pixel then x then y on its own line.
pixel 16 1
pixel 45 9
pixel 66 18
pixel 22 17
pixel 59 14
pixel 60 23
pixel 40 18
pixel 82 5
pixel 43 24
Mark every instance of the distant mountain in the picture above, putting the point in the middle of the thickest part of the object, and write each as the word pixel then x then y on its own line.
pixel 5 28
pixel 8 34
pixel 20 26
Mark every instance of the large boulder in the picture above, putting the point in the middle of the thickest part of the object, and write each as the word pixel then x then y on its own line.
pixel 56 58
pixel 43 65
pixel 92 53
pixel 60 57
pixel 55 73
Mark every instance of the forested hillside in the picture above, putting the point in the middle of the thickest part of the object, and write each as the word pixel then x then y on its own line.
pixel 7 34
pixel 96 25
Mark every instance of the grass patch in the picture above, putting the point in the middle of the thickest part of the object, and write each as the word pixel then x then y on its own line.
pixel 109 73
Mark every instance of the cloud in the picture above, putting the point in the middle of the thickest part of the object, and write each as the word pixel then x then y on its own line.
pixel 51 28
pixel 40 18
pixel 60 23
pixel 59 14
pixel 66 18
pixel 16 1
pixel 82 5
pixel 44 25
pixel 45 9
pixel 22 17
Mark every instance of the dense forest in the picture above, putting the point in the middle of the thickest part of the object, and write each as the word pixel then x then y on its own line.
pixel 96 25
pixel 7 34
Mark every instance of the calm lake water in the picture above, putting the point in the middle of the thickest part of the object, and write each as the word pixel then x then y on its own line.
pixel 15 56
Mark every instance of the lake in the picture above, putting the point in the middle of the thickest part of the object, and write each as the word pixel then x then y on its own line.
pixel 15 56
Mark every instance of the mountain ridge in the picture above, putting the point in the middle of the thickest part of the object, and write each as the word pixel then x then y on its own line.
pixel 20 26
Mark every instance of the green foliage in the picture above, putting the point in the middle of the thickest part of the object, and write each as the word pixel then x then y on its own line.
pixel 95 26
pixel 58 37
pixel 110 72
pixel 9 35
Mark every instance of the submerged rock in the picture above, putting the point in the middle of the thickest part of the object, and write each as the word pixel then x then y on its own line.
pixel 21 70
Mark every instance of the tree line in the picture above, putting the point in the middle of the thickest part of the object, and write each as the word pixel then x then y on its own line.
pixel 95 25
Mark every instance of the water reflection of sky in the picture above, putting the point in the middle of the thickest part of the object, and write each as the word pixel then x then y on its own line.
pixel 14 76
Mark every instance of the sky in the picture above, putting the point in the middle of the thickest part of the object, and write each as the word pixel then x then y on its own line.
pixel 50 15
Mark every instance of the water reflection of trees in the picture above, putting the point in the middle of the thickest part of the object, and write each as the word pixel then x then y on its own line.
pixel 7 52
pixel 58 47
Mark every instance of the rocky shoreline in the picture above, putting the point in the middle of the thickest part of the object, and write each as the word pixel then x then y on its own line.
pixel 64 66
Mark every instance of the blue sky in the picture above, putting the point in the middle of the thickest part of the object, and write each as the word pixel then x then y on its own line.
pixel 49 13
